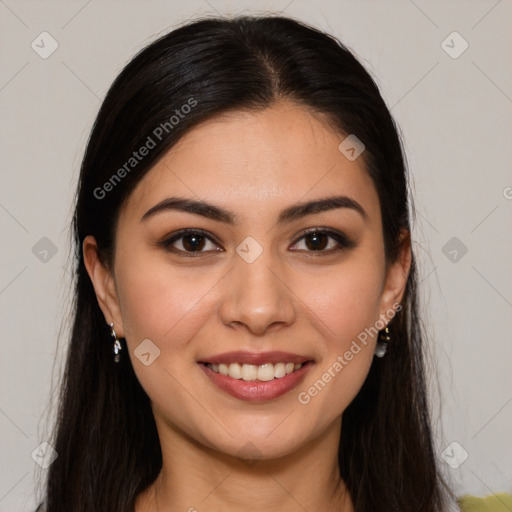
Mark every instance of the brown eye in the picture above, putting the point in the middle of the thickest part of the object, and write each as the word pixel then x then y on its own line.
pixel 317 240
pixel 193 242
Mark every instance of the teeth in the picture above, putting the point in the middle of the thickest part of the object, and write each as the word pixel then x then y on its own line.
pixel 279 370
pixel 235 371
pixel 249 372
pixel 266 372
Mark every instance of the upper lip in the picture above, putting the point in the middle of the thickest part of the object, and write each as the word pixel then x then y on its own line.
pixel 255 358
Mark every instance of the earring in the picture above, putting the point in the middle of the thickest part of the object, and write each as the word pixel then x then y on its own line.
pixel 117 344
pixel 382 342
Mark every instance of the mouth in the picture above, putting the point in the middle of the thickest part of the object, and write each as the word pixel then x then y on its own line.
pixel 251 372
pixel 256 377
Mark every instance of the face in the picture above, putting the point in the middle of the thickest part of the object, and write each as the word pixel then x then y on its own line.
pixel 248 279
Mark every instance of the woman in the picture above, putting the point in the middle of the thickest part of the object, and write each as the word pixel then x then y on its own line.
pixel 246 330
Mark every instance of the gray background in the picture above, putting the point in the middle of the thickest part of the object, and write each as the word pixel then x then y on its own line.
pixel 455 115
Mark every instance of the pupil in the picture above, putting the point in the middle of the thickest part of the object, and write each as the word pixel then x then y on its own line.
pixel 316 236
pixel 196 242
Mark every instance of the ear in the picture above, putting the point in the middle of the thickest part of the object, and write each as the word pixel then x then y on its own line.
pixel 396 277
pixel 104 285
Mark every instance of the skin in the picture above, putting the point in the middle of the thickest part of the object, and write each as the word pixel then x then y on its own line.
pixel 301 301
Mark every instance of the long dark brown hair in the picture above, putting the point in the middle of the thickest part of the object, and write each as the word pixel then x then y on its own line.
pixel 105 435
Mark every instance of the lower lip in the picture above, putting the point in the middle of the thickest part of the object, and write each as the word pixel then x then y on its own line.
pixel 256 390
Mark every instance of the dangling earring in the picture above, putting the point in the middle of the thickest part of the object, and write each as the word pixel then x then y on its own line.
pixel 382 342
pixel 117 344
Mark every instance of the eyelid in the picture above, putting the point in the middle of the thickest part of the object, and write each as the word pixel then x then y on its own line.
pixel 168 241
pixel 343 241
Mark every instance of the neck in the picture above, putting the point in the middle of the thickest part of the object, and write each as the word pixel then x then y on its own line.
pixel 197 478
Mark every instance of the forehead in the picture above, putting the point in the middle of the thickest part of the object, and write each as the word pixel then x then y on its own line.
pixel 255 162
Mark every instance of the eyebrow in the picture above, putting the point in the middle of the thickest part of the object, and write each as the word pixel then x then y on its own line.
pixel 217 213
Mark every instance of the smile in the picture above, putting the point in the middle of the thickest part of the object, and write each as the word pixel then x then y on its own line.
pixel 257 383
pixel 251 372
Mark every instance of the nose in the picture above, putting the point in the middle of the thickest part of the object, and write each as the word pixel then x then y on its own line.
pixel 257 297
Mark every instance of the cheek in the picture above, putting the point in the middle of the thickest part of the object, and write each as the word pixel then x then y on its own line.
pixel 346 306
pixel 168 307
pixel 161 303
pixel 345 300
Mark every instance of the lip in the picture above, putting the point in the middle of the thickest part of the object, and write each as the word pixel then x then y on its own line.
pixel 256 390
pixel 256 358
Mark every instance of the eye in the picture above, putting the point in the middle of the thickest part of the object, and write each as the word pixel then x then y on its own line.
pixel 191 241
pixel 316 240
pixel 194 242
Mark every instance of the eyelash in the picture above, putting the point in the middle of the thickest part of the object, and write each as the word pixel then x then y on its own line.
pixel 341 239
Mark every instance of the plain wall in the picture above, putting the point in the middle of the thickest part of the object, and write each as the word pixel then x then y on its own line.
pixel 455 117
